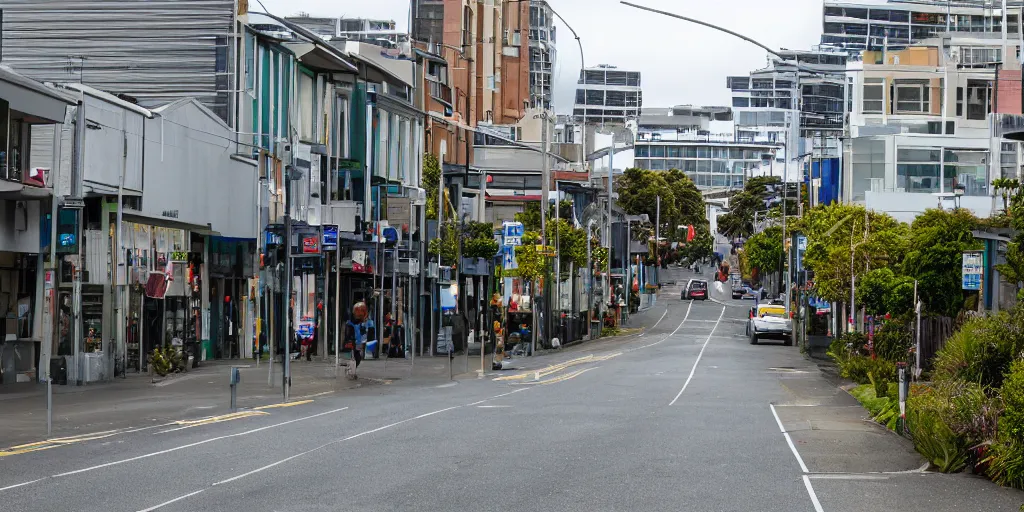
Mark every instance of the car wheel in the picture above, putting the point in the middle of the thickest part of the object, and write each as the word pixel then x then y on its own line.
pixel 788 341
pixel 753 339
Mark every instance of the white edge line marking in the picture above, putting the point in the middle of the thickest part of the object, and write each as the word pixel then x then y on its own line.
pixel 349 438
pixel 179 498
pixel 699 355
pixel 789 440
pixel 663 315
pixel 210 440
pixel 669 335
pixel 21 484
pixel 848 477
pixel 814 497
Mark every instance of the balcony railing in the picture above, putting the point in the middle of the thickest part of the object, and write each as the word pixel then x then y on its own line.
pixel 442 92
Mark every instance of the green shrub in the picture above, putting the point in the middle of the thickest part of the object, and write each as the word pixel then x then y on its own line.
pixel 982 350
pixel 846 345
pixel 1006 463
pixel 892 342
pixel 161 365
pixel 865 370
pixel 1011 423
pixel 927 414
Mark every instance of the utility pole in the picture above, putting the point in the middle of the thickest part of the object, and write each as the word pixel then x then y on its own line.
pixel 657 232
pixel 545 191
pixel 287 323
pixel 76 192
pixel 611 187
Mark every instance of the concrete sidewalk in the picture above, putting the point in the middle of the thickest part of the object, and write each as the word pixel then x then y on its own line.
pixel 847 455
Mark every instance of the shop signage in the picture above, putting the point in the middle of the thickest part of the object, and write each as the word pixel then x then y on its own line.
pixel 179 256
pixel 74 203
pixel 310 244
pixel 330 241
pixel 512 233
pixel 170 213
pixel 972 270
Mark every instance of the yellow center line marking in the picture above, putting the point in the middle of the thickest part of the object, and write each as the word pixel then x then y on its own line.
pixel 560 378
pixel 548 370
pixel 285 404
pixel 55 442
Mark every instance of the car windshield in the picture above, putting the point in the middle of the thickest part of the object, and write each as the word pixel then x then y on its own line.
pixel 698 285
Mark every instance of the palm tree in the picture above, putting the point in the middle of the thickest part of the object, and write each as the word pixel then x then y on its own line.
pixel 1002 186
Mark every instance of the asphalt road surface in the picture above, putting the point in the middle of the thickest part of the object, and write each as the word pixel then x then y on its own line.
pixel 687 416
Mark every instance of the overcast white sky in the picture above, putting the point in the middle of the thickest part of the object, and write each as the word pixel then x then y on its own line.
pixel 681 63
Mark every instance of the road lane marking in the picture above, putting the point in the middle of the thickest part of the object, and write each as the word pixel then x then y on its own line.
pixel 560 378
pixel 493 406
pixel 663 315
pixel 21 484
pixel 789 440
pixel 669 335
pixel 164 504
pixel 552 369
pixel 814 497
pixel 212 419
pixel 197 443
pixel 284 404
pixel 57 442
pixel 699 355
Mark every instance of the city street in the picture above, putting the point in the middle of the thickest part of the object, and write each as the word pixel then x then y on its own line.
pixel 685 416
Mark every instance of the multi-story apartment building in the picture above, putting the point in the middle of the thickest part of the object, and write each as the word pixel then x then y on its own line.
pixel 920 132
pixel 543 53
pixel 190 49
pixel 362 30
pixel 681 138
pixel 608 95
pixel 854 26
pixel 800 108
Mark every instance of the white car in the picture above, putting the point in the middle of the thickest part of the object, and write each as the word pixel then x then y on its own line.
pixel 769 321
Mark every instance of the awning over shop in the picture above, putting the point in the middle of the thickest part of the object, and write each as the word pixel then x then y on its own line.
pixel 41 103
pixel 131 215
pixel 14 191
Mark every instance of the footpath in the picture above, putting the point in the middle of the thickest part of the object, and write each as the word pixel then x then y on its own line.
pixel 139 400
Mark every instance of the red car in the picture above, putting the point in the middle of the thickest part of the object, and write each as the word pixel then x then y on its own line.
pixel 696 289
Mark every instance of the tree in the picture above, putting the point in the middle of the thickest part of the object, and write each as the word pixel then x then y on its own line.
pixel 431 179
pixel 832 230
pixel 639 190
pixel 1013 270
pixel 689 202
pixel 1006 187
pixel 938 239
pixel 754 197
pixel 764 250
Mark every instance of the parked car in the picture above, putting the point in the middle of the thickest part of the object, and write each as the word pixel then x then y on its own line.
pixel 769 321
pixel 696 289
pixel 738 290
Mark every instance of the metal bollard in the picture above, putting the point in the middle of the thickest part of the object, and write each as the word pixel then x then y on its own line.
pixel 236 377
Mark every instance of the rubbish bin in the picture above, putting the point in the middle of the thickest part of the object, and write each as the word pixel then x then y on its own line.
pixel 59 371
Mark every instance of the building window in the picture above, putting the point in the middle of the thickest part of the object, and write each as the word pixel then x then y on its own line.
pixel 874 95
pixel 917 170
pixel 979 99
pixel 965 169
pixel 959 101
pixel 642 152
pixel 912 96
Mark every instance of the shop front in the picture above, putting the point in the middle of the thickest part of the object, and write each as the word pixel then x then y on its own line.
pixel 230 269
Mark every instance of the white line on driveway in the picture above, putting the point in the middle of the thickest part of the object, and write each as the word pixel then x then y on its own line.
pixel 699 355
pixel 803 467
pixel 814 497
